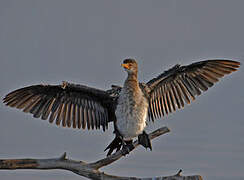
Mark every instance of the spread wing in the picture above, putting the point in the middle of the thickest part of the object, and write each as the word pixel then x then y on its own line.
pixel 181 84
pixel 67 104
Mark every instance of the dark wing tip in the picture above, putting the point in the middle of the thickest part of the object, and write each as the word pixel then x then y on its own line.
pixel 222 67
pixel 225 63
pixel 228 62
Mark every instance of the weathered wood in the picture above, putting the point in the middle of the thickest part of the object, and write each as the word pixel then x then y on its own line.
pixel 89 170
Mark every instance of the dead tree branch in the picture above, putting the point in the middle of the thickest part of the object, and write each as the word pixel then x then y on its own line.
pixel 89 170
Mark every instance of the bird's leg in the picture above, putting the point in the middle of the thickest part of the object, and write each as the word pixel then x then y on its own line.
pixel 144 140
pixel 127 147
pixel 115 144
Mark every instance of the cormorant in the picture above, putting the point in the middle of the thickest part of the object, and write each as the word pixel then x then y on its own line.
pixel 128 107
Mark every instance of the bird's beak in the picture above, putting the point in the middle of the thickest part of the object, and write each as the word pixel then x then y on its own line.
pixel 126 66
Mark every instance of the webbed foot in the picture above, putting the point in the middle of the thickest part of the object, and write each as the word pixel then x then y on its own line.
pixel 144 140
pixel 114 145
pixel 127 147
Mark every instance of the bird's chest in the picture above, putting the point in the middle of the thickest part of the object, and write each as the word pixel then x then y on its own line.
pixel 131 113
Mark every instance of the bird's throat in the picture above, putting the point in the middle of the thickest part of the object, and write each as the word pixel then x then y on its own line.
pixel 132 77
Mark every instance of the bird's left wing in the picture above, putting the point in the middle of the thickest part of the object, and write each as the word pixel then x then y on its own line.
pixel 181 84
pixel 68 104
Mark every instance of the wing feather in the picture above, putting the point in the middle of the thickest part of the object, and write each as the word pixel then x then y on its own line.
pixel 171 98
pixel 47 109
pixel 181 84
pixel 60 114
pixel 68 104
pixel 74 115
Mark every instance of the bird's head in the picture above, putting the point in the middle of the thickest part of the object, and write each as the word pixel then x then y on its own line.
pixel 130 65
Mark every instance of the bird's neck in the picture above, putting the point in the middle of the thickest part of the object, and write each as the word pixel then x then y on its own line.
pixel 132 78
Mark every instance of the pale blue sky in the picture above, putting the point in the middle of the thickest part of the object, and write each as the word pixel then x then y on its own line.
pixel 84 42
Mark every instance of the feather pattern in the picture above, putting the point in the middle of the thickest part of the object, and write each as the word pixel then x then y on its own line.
pixel 71 105
pixel 181 84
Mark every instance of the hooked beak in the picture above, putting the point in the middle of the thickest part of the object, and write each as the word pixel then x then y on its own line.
pixel 126 66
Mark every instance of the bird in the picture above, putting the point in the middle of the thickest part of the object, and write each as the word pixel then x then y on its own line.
pixel 128 107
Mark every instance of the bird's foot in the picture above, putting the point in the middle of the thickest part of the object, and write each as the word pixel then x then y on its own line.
pixel 144 140
pixel 114 145
pixel 127 147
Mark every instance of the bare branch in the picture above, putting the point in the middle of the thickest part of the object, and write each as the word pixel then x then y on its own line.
pixel 118 155
pixel 89 170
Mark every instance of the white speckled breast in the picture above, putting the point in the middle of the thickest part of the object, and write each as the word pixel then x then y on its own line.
pixel 131 113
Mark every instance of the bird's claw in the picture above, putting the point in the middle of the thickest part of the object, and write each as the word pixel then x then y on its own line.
pixel 127 149
pixel 144 140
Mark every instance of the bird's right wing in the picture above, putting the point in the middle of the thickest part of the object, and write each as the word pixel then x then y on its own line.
pixel 181 84
pixel 68 104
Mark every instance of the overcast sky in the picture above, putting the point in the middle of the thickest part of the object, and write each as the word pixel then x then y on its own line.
pixel 48 41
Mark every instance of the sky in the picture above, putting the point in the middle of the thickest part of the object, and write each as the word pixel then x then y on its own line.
pixel 48 41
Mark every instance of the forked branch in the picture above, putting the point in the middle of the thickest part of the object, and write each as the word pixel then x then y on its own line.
pixel 89 170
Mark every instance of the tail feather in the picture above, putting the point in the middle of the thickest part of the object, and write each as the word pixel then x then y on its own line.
pixel 115 144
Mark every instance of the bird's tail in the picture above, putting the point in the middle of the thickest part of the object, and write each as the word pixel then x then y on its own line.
pixel 115 144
